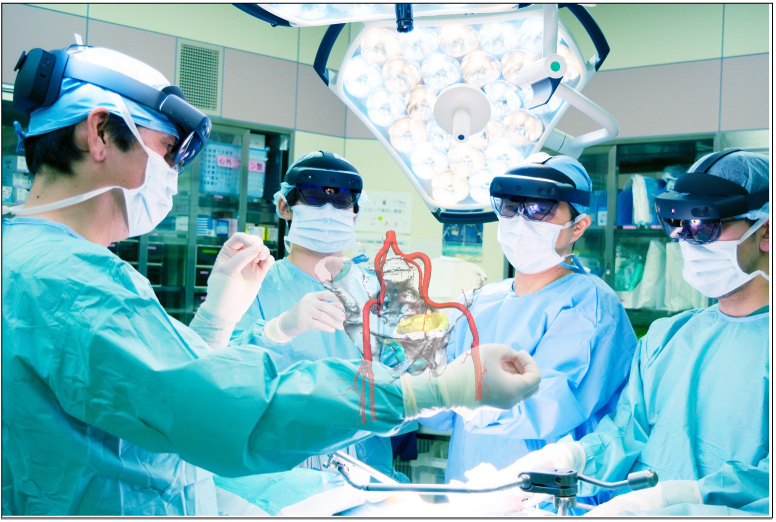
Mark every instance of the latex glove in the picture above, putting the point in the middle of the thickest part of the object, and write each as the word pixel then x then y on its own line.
pixel 561 455
pixel 236 278
pixel 496 503
pixel 316 310
pixel 661 496
pixel 509 377
pixel 234 283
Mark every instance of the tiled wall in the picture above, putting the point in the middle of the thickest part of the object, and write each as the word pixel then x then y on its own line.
pixel 673 69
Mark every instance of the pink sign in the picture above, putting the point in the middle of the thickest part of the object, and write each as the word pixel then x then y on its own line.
pixel 256 166
pixel 235 163
pixel 228 162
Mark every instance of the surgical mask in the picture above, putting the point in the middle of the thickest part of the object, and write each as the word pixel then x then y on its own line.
pixel 146 205
pixel 530 245
pixel 322 229
pixel 713 268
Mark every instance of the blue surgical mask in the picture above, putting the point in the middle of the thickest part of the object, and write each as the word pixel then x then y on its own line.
pixel 322 229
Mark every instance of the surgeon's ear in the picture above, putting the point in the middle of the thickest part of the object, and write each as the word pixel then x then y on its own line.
pixel 283 209
pixel 92 135
pixel 580 227
pixel 765 240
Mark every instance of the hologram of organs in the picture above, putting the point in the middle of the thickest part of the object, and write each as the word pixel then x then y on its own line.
pixel 365 370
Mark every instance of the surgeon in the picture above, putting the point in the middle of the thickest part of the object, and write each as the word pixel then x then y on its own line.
pixel 696 407
pixel 111 406
pixel 570 321
pixel 320 198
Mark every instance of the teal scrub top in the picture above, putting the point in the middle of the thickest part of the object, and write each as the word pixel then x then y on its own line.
pixel 696 407
pixel 112 407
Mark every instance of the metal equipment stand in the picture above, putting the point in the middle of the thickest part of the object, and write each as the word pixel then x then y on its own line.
pixel 562 485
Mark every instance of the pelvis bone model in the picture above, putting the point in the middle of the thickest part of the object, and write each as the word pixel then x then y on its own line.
pixel 409 322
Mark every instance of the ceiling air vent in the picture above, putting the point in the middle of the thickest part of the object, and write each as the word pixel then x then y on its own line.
pixel 199 73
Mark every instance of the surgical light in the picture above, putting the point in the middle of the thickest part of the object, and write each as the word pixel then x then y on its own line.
pixel 420 102
pixel 479 185
pixel 518 73
pixel 303 15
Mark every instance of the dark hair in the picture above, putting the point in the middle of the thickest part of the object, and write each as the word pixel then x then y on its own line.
pixel 58 149
pixel 574 212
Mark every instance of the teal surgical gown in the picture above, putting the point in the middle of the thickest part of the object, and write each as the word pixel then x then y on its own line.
pixel 283 287
pixel 112 407
pixel 696 407
pixel 577 332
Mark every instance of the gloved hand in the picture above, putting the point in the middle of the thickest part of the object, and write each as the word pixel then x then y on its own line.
pixel 234 283
pixel 509 377
pixel 495 503
pixel 661 496
pixel 316 310
pixel 236 277
pixel 561 455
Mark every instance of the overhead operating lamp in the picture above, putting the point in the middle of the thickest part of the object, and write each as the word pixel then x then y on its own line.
pixel 457 101
pixel 305 15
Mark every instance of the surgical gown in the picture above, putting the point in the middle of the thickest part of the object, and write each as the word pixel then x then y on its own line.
pixel 283 287
pixel 696 407
pixel 112 407
pixel 578 333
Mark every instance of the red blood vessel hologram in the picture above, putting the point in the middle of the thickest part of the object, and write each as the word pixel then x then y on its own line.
pixel 365 370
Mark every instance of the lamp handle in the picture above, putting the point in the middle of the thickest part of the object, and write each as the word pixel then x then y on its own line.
pixel 593 31
pixel 573 146
pixel 324 50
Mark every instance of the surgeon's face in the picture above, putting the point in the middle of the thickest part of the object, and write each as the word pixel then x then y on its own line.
pixel 128 167
pixel 568 236
pixel 753 252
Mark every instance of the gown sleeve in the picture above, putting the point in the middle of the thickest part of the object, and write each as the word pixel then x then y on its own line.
pixel 612 449
pixel 120 363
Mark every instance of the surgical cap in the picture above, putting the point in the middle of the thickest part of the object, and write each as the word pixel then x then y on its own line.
pixel 571 168
pixel 77 99
pixel 748 169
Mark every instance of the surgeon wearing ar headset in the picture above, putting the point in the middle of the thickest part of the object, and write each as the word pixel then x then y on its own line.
pixel 111 406
pixel 696 408
pixel 570 321
pixel 296 316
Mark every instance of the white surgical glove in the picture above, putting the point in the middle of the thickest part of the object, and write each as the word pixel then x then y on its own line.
pixel 316 310
pixel 508 377
pixel 234 283
pixel 661 496
pixel 496 503
pixel 561 455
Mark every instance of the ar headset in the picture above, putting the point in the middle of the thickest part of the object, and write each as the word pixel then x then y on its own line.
pixel 312 175
pixel 694 210
pixel 535 181
pixel 39 81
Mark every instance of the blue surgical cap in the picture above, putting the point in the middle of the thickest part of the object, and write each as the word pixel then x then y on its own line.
pixel 571 168
pixel 77 99
pixel 748 169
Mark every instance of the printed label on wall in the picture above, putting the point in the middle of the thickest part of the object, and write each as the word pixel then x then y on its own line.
pixel 386 211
